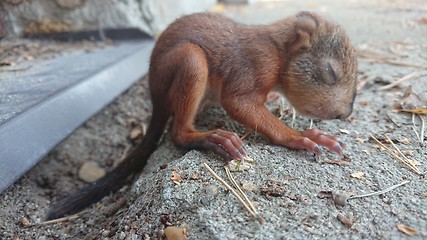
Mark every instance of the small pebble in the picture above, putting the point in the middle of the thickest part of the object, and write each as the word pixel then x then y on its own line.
pixel 25 222
pixel 105 233
pixel 122 235
pixel 90 172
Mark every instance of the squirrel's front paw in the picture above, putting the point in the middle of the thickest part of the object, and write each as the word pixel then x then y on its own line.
pixel 312 139
pixel 319 137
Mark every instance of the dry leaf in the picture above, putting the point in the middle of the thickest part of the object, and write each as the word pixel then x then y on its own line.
pixel 404 141
pixel 344 131
pixel 175 233
pixel 422 20
pixel 364 102
pixel 218 8
pixel 411 102
pixel 346 221
pixel 25 222
pixel 90 172
pixel 340 198
pixel 411 231
pixel 273 188
pixel 351 119
pixel 366 151
pixel 195 176
pixel 336 162
pixel 135 133
pixel 248 186
pixel 358 175
pixel 414 162
pixel 240 165
pixel 418 110
pixel 176 178
pixel 408 153
pixel 132 122
pixel 29 57
pixel 325 194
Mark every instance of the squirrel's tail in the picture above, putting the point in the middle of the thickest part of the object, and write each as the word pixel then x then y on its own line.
pixel 114 180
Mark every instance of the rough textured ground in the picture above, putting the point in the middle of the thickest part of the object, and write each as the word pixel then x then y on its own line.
pixel 284 184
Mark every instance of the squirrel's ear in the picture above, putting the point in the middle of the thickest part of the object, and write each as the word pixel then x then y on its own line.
pixel 301 43
pixel 305 30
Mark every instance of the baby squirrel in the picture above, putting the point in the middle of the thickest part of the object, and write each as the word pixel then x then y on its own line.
pixel 207 57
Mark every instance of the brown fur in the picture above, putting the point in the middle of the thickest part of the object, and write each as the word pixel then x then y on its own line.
pixel 209 58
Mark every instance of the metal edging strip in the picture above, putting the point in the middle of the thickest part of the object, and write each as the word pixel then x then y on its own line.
pixel 28 137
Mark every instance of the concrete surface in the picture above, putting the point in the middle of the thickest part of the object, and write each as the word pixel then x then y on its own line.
pixel 389 36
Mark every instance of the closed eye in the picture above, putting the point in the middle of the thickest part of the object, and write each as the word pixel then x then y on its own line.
pixel 332 74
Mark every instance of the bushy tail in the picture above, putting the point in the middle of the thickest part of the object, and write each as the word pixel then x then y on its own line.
pixel 114 180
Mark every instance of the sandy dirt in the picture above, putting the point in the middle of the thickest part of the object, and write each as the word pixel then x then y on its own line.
pixel 390 40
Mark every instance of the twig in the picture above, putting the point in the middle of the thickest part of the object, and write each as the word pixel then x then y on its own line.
pixel 375 57
pixel 414 127
pixel 391 119
pixel 395 51
pixel 400 152
pixel 336 162
pixel 63 219
pixel 282 108
pixel 403 64
pixel 380 192
pixel 368 79
pixel 230 177
pixel 415 169
pixel 386 60
pixel 344 220
pixel 423 128
pixel 395 147
pixel 246 134
pixel 231 190
pixel 294 117
pixel 399 81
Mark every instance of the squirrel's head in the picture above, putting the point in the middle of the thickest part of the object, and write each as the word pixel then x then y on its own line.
pixel 320 82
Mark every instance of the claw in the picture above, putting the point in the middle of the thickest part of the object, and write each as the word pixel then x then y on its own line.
pixel 226 144
pixel 228 158
pixel 319 138
pixel 317 150
pixel 240 156
pixel 341 143
pixel 338 149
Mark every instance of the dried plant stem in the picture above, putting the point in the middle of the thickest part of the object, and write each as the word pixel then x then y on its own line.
pixel 294 117
pixel 415 169
pixel 420 136
pixel 403 64
pixel 400 152
pixel 395 147
pixel 246 134
pixel 415 128
pixel 230 177
pixel 232 191
pixel 423 127
pixel 400 80
pixel 380 192
pixel 63 219
pixel 282 108
pixel 383 59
